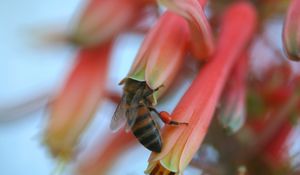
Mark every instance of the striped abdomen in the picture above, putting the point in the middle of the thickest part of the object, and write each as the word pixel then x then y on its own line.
pixel 146 130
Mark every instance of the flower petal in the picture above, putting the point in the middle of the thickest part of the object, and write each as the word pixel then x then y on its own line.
pixel 102 20
pixel 291 31
pixel 162 52
pixel 73 108
pixel 202 43
pixel 168 52
pixel 233 112
pixel 100 160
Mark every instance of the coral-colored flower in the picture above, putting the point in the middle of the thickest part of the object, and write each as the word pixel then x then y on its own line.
pixel 291 31
pixel 74 106
pixel 165 46
pixel 198 104
pixel 201 44
pixel 233 109
pixel 99 161
pixel 162 52
pixel 101 20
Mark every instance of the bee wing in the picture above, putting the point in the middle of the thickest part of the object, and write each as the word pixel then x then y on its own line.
pixel 132 112
pixel 127 128
pixel 119 117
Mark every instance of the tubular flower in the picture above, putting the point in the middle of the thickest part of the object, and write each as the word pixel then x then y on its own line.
pixel 73 108
pixel 201 45
pixel 291 31
pixel 199 102
pixel 100 162
pixel 232 114
pixel 162 52
pixel 103 19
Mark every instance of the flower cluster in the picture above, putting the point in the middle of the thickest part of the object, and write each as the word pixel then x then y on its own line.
pixel 244 101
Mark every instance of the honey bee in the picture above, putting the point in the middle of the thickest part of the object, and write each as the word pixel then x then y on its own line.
pixel 135 109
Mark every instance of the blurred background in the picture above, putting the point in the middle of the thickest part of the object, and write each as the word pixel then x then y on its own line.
pixel 29 75
pixel 32 71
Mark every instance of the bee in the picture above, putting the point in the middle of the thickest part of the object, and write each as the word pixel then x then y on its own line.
pixel 135 109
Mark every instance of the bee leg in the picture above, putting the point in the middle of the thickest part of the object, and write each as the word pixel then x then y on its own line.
pixel 154 90
pixel 166 118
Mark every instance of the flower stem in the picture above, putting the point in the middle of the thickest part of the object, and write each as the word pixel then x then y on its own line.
pixel 60 167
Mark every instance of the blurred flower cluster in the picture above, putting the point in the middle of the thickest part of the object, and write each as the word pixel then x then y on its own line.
pixel 243 104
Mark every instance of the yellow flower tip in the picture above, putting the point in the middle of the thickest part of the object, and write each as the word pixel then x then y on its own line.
pixel 59 151
pixel 156 168
pixel 78 39
pixel 60 167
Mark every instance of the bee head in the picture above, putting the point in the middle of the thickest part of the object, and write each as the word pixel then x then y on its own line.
pixel 131 85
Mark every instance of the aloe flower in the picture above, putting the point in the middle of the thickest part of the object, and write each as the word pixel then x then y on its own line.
pixel 102 20
pixel 100 162
pixel 232 114
pixel 199 102
pixel 202 44
pixel 164 48
pixel 74 106
pixel 291 31
pixel 162 52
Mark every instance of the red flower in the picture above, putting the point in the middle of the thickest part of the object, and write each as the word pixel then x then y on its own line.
pixel 202 44
pixel 233 109
pixel 100 161
pixel 102 20
pixel 199 102
pixel 74 107
pixel 162 52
